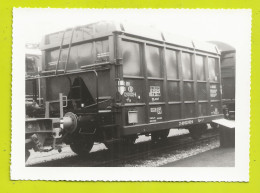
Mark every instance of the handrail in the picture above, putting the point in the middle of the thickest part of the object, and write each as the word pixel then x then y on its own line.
pixel 62 39
pixel 68 56
pixel 95 72
pixel 95 65
pixel 70 72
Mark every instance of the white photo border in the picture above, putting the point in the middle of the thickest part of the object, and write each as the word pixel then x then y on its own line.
pixel 21 25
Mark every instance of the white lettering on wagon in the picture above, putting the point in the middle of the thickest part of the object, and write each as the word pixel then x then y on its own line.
pixel 213 91
pixel 155 91
pixel 153 110
pixel 155 114
pixel 188 122
pixel 130 92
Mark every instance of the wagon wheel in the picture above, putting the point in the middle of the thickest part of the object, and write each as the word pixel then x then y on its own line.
pixel 82 145
pixel 160 135
pixel 196 131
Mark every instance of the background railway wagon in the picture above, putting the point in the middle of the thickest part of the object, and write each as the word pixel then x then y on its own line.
pixel 228 75
pixel 146 81
pixel 32 68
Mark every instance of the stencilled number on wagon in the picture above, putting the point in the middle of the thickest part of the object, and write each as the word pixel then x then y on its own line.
pixel 156 114
pixel 188 122
pixel 213 91
pixel 155 93
pixel 130 94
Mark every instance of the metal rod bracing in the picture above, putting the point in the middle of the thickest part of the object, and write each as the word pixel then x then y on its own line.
pixel 95 72
pixel 61 104
pixel 68 56
pixel 61 43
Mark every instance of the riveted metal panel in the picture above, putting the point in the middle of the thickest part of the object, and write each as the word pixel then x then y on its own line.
pixel 131 58
pixel 203 109
pixel 63 84
pixel 171 64
pixel 202 91
pixel 188 91
pixel 228 88
pixel 86 54
pixel 153 60
pixel 200 68
pixel 174 111
pixel 54 87
pixel 81 34
pixel 80 55
pixel 174 91
pixel 103 83
pixel 213 69
pixel 190 110
pixel 186 66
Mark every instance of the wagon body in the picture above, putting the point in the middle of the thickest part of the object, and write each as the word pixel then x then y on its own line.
pixel 130 80
pixel 228 75
pixel 32 66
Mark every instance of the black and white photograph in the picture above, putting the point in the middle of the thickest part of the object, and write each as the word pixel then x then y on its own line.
pixel 131 94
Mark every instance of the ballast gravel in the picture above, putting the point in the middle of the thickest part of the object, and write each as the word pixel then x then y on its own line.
pixel 162 159
pixel 37 157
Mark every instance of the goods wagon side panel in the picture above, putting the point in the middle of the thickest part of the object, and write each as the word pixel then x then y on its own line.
pixel 228 75
pixel 133 73
pixel 214 80
pixel 80 55
pixel 63 84
pixel 164 84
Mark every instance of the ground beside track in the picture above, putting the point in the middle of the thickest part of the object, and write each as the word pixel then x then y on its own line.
pixel 143 154
pixel 38 157
pixel 219 157
pixel 158 159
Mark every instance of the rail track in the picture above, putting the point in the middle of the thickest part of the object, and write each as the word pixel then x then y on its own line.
pixel 142 150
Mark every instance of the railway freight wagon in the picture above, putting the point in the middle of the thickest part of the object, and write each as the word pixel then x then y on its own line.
pixel 32 65
pixel 228 75
pixel 107 82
